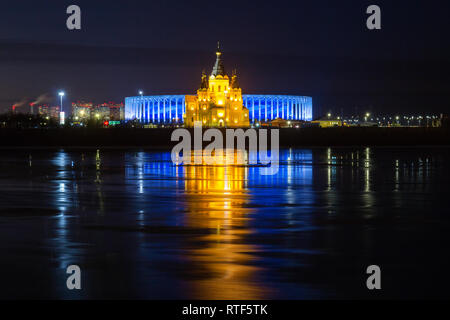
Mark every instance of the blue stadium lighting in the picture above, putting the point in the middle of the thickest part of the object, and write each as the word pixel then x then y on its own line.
pixel 170 108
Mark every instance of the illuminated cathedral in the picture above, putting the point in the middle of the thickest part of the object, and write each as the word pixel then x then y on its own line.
pixel 218 102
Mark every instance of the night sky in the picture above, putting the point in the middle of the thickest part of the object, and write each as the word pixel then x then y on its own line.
pixel 318 48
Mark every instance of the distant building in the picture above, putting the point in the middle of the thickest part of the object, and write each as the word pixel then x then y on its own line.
pixel 442 121
pixel 279 123
pixel 118 114
pixel 52 112
pixel 283 123
pixel 85 111
pixel 81 111
pixel 116 111
pixel 328 123
pixel 101 112
pixel 367 124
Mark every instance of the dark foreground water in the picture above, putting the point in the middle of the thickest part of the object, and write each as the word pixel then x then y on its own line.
pixel 140 227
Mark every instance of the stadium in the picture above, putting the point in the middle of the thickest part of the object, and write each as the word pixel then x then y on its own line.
pixel 166 109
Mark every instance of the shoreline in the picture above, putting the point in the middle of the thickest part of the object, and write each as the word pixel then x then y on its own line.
pixel 151 148
pixel 160 138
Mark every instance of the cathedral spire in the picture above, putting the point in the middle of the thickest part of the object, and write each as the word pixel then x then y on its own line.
pixel 234 82
pixel 218 68
pixel 204 83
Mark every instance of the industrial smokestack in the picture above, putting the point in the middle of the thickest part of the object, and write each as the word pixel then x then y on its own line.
pixel 19 104
pixel 42 99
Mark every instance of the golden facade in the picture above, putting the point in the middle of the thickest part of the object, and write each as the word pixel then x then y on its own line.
pixel 218 102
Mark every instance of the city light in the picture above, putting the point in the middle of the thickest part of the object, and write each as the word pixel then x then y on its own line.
pixel 62 115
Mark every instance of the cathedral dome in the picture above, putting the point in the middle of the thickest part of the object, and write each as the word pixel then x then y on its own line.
pixel 218 69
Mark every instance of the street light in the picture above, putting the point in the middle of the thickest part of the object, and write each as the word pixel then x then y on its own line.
pixel 367 116
pixel 141 93
pixel 62 115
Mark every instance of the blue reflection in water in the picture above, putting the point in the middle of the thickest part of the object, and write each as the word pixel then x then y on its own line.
pixel 219 232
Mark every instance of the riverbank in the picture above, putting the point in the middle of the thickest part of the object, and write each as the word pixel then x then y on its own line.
pixel 161 137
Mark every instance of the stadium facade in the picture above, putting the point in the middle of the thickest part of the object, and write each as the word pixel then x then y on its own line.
pixel 168 109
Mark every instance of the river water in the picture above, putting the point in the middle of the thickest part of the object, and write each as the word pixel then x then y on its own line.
pixel 140 227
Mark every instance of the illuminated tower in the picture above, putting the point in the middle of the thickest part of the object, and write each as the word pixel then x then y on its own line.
pixel 218 102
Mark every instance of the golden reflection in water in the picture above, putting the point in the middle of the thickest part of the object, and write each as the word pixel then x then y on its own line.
pixel 216 200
